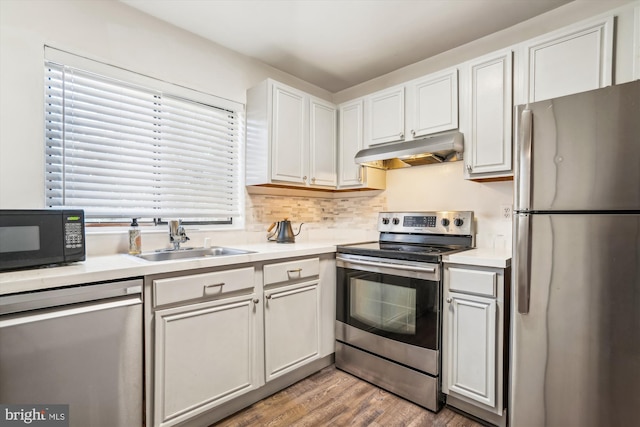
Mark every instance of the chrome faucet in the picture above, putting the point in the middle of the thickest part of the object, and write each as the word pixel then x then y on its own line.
pixel 177 234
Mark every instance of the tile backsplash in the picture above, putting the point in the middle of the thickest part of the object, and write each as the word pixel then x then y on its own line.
pixel 359 212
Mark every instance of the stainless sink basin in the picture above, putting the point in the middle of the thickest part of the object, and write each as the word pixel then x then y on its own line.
pixel 170 254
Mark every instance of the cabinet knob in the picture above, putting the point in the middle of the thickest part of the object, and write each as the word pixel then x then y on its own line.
pixel 267 296
pixel 256 300
pixel 469 168
pixel 401 135
pixel 304 178
pixel 413 132
pixel 449 300
pixel 313 180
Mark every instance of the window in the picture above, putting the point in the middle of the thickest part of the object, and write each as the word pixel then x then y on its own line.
pixel 119 149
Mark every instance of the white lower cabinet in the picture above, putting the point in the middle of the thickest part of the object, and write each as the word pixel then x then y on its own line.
pixel 216 335
pixel 198 362
pixel 291 327
pixel 204 341
pixel 474 328
pixel 291 315
pixel 472 347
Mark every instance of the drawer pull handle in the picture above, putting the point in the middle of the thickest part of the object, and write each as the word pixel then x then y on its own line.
pixel 295 270
pixel 214 285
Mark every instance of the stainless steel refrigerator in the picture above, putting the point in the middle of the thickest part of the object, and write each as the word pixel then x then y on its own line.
pixel 575 357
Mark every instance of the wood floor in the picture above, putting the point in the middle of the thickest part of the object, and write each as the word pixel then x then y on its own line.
pixel 334 398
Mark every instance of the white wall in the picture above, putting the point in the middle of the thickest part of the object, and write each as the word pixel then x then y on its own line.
pixel 107 31
pixel 576 11
pixel 114 33
pixel 443 187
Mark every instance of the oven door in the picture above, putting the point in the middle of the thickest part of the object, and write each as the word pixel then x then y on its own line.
pixel 390 308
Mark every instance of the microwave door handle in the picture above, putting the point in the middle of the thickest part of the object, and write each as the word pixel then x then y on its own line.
pixel 522 261
pixel 523 162
pixel 388 265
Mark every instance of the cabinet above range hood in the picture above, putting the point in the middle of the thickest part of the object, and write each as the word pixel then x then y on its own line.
pixel 444 147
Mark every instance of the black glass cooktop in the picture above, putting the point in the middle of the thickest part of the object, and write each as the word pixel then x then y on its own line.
pixel 401 251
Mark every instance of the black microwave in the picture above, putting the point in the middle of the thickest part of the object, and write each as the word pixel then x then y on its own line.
pixel 33 238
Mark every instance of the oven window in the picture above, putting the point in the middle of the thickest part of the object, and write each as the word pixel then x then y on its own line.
pixel 389 308
pixel 399 308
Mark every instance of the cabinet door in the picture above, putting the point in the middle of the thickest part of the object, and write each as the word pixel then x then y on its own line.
pixel 571 61
pixel 323 143
pixel 490 104
pixel 205 354
pixel 434 104
pixel 350 174
pixel 290 135
pixel 351 141
pixel 291 327
pixel 471 356
pixel 385 116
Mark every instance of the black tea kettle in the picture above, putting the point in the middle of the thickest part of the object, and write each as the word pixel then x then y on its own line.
pixel 284 232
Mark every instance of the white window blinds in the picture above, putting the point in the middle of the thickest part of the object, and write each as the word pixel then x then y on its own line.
pixel 120 150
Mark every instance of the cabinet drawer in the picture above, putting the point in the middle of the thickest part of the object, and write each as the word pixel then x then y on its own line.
pixel 472 281
pixel 206 285
pixel 293 270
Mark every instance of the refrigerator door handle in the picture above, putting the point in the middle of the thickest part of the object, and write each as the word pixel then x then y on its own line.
pixel 522 262
pixel 523 162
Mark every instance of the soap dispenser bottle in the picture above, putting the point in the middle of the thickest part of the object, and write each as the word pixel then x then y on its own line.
pixel 135 238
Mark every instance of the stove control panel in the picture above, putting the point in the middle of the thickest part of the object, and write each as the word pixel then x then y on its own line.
pixel 443 222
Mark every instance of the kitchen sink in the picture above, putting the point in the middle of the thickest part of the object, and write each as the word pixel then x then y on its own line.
pixel 173 254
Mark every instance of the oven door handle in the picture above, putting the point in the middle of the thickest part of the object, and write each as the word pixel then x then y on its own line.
pixel 388 265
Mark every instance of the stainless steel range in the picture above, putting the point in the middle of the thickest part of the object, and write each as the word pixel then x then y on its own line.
pixel 388 312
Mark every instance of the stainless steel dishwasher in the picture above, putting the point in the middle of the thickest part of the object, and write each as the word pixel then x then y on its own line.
pixel 81 346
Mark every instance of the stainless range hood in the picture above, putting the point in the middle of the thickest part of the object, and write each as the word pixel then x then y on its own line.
pixel 444 147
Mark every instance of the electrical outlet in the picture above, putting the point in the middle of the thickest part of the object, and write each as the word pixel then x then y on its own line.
pixel 505 212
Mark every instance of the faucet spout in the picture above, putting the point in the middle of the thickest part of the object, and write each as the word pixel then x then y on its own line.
pixel 177 233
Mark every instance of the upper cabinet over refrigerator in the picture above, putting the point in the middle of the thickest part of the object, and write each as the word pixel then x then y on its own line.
pixel 572 60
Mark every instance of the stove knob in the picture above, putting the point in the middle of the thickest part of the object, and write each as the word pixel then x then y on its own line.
pixel 458 222
pixel 445 222
pixel 396 221
pixel 385 221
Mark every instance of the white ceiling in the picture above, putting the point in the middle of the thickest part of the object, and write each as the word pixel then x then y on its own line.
pixel 336 44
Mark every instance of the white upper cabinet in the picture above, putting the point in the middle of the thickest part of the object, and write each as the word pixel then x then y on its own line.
pixel 291 137
pixel 489 101
pixel 575 59
pixel 385 116
pixel 351 140
pixel 420 107
pixel 322 143
pixel 290 134
pixel 432 104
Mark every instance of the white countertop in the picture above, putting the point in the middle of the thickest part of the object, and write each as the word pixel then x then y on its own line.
pixel 120 266
pixel 500 258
